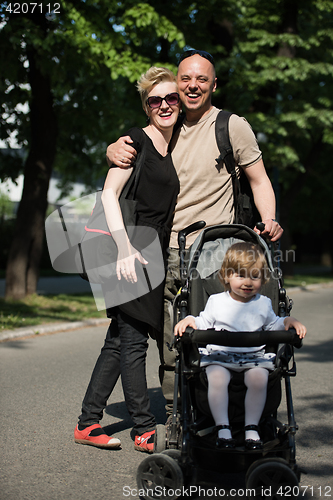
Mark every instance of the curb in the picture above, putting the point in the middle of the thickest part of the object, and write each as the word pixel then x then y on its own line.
pixel 50 328
pixel 308 288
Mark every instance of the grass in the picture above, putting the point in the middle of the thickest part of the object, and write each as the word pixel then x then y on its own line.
pixel 306 279
pixel 40 309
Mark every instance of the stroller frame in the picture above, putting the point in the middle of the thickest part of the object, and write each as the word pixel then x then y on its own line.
pixel 182 447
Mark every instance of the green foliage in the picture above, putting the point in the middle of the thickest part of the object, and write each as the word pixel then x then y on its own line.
pixel 281 77
pixel 92 53
pixel 142 20
pixel 6 206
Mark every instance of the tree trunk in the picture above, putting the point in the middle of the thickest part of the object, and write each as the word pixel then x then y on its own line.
pixel 26 248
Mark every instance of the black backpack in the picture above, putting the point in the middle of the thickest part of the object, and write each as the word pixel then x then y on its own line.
pixel 245 210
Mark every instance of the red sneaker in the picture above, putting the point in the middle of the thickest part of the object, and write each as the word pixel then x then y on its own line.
pixel 98 438
pixel 145 442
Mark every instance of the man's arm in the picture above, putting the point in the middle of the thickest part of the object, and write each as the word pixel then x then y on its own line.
pixel 121 153
pixel 264 199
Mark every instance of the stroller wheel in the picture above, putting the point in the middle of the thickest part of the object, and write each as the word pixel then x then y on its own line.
pixel 175 454
pixel 160 477
pixel 160 438
pixel 273 479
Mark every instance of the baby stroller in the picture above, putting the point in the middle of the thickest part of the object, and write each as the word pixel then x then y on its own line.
pixel 185 446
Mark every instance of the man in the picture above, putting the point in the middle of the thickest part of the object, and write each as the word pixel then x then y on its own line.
pixel 205 193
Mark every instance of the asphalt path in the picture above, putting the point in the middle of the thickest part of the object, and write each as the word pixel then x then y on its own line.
pixel 43 380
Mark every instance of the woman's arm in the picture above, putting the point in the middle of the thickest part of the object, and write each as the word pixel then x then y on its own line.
pixel 115 181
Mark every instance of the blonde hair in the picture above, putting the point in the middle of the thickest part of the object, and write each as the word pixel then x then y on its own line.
pixel 152 77
pixel 244 259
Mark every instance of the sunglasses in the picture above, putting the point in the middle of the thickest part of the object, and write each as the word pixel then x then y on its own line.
pixel 155 101
pixel 192 52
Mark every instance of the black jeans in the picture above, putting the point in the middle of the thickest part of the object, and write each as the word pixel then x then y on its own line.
pixel 124 353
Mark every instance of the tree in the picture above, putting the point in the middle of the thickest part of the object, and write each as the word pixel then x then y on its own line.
pixel 281 77
pixel 61 62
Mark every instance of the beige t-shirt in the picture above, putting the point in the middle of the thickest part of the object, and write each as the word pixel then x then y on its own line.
pixel 206 193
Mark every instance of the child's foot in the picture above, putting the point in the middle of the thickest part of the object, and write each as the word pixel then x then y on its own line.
pixel 224 432
pixel 94 435
pixel 252 438
pixel 224 437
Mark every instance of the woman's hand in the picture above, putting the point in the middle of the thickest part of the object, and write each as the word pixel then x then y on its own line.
pixel 183 324
pixel 294 323
pixel 126 264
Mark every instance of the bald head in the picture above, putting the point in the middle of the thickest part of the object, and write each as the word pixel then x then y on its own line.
pixel 196 81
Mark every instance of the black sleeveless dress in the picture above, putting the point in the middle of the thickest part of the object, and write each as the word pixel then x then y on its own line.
pixel 156 197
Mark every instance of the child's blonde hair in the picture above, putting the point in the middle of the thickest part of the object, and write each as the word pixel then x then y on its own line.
pixel 152 77
pixel 245 259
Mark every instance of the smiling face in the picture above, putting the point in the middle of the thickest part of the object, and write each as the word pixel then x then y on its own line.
pixel 196 82
pixel 165 116
pixel 244 270
pixel 244 285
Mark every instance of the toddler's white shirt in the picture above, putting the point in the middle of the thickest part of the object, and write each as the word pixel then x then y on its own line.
pixel 223 312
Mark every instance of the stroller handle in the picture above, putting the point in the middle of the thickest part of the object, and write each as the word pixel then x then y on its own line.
pixel 196 226
pixel 241 339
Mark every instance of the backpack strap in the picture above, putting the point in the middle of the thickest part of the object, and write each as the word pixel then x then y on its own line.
pixel 226 152
pixel 223 142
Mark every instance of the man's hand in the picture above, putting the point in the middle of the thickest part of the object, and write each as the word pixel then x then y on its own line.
pixel 272 230
pixel 121 153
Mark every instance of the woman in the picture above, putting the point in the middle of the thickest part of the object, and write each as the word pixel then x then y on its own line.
pixel 126 343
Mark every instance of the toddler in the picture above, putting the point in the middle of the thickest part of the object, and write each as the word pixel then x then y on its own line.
pixel 239 308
